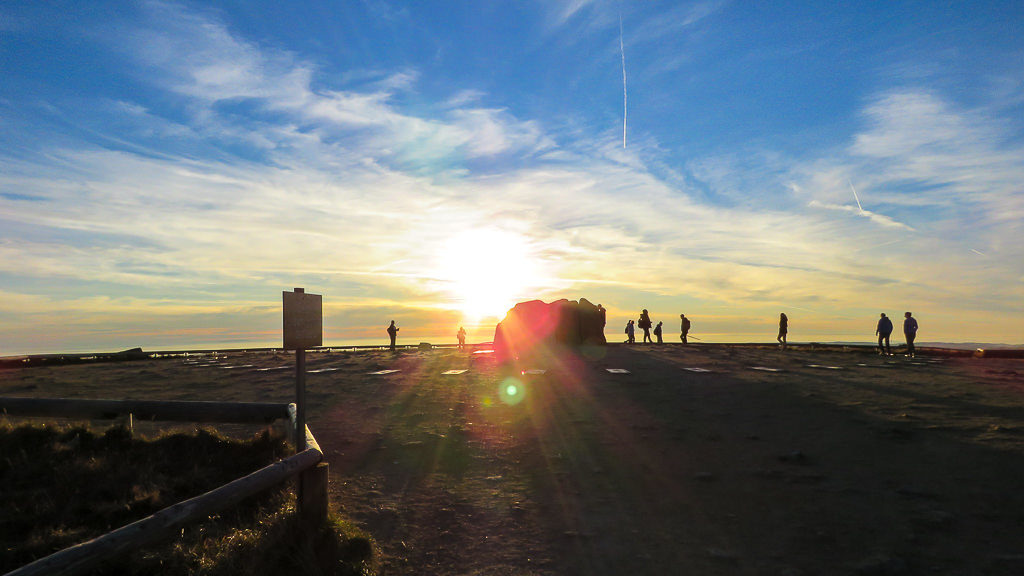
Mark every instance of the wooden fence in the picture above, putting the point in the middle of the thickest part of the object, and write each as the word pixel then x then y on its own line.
pixel 308 465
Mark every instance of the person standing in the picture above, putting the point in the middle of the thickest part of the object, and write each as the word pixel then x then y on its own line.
pixel 462 338
pixel 645 325
pixel 909 332
pixel 684 327
pixel 783 330
pixel 883 330
pixel 630 333
pixel 393 332
pixel 657 332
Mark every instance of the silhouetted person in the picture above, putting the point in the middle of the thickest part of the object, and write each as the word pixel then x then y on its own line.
pixel 909 332
pixel 783 330
pixel 603 314
pixel 630 333
pixel 393 332
pixel 645 324
pixel 462 337
pixel 657 332
pixel 684 327
pixel 883 331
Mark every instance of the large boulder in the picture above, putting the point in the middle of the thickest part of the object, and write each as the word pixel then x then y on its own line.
pixel 592 321
pixel 536 327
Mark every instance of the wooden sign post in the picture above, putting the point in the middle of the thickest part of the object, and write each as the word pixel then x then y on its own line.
pixel 303 328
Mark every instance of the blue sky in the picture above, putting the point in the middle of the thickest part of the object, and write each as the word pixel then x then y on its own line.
pixel 167 168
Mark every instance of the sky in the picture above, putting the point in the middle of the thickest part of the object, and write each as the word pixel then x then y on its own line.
pixel 168 168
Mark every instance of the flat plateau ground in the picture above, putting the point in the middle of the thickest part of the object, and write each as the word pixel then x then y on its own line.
pixel 882 466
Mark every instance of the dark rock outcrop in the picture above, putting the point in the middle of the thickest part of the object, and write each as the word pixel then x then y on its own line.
pixel 536 327
pixel 130 354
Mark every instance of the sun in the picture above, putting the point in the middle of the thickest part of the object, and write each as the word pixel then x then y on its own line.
pixel 487 270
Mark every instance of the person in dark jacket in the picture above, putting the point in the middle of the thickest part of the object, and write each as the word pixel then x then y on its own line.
pixel 630 334
pixel 657 332
pixel 645 324
pixel 684 327
pixel 393 332
pixel 909 332
pixel 783 330
pixel 883 330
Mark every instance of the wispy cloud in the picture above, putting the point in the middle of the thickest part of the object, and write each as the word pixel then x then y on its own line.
pixel 200 58
pixel 879 219
pixel 564 10
pixel 949 174
pixel 465 97
pixel 677 19
pixel 956 156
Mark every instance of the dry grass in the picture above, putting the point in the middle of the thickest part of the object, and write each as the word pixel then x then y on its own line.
pixel 64 484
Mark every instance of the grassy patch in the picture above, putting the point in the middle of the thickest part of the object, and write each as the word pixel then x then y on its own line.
pixel 62 485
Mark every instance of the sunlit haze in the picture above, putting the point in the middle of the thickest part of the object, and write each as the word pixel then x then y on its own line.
pixel 487 271
pixel 168 168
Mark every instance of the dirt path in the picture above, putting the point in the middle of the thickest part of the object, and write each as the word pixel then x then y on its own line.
pixel 883 468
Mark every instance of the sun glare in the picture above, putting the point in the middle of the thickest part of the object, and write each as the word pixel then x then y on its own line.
pixel 487 270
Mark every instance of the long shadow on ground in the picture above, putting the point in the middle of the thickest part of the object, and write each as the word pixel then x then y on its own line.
pixel 580 471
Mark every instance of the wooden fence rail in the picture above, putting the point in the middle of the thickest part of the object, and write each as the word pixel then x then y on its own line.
pixel 307 465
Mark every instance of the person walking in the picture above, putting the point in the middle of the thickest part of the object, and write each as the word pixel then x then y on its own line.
pixel 630 333
pixel 645 325
pixel 684 327
pixel 462 338
pixel 393 332
pixel 783 330
pixel 909 332
pixel 883 330
pixel 657 333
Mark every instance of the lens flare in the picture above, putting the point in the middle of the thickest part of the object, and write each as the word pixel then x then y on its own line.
pixel 512 391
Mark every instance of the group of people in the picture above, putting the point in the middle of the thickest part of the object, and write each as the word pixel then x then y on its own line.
pixel 884 330
pixel 644 323
pixel 393 334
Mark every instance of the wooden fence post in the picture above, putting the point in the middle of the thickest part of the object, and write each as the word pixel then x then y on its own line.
pixel 313 500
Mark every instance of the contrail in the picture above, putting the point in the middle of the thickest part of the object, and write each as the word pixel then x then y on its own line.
pixel 855 197
pixel 978 253
pixel 622 51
